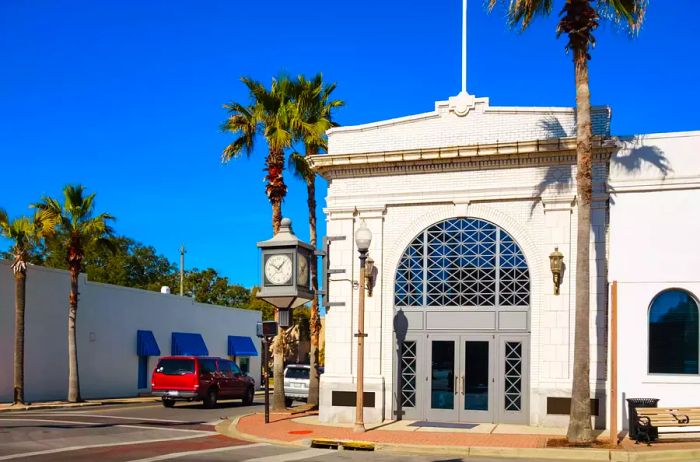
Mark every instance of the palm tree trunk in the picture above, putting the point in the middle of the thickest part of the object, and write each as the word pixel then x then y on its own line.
pixel 580 431
pixel 73 379
pixel 278 398
pixel 314 321
pixel 20 303
pixel 276 190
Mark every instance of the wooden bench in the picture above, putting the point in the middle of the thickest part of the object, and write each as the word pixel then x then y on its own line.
pixel 664 417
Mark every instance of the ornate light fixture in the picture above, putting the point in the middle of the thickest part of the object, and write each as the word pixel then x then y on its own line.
pixel 363 238
pixel 556 263
pixel 369 275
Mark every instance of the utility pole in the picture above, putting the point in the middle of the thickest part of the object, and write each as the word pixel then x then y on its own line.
pixel 182 270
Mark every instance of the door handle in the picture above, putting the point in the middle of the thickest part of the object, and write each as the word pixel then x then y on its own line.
pixel 456 384
pixel 462 385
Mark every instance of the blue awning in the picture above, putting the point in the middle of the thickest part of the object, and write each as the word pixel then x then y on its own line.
pixel 241 346
pixel 187 344
pixel 146 344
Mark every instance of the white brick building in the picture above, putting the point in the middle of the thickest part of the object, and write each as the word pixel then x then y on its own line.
pixel 465 204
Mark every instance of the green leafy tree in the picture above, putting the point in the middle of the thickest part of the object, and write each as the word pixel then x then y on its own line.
pixel 24 234
pixel 75 223
pixel 207 286
pixel 579 19
pixel 125 262
pixel 269 114
pixel 257 304
pixel 313 111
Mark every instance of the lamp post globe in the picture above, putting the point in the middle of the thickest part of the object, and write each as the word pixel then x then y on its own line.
pixel 363 237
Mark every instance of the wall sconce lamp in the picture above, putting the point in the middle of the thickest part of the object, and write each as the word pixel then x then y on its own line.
pixel 369 274
pixel 556 263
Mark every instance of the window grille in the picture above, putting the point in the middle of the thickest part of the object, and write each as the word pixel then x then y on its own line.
pixel 462 262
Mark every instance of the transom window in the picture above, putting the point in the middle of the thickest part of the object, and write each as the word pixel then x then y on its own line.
pixel 673 333
pixel 462 262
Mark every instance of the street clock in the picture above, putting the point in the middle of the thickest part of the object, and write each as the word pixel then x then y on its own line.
pixel 285 281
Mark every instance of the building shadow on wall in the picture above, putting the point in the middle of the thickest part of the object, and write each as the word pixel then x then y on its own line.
pixel 632 156
pixel 400 330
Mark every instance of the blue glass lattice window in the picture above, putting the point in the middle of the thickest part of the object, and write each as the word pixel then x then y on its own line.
pixel 462 262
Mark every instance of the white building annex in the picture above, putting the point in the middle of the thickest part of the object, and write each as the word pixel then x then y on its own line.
pixel 121 333
pixel 465 204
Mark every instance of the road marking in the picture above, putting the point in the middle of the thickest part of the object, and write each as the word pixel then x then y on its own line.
pixel 294 455
pixel 100 416
pixel 140 427
pixel 76 422
pixel 195 453
pixel 91 446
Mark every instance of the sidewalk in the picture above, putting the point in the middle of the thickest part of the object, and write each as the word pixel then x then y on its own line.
pixel 8 407
pixel 477 440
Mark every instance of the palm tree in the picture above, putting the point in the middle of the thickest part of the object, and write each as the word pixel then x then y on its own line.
pixel 313 117
pixel 269 114
pixel 24 234
pixel 579 18
pixel 75 223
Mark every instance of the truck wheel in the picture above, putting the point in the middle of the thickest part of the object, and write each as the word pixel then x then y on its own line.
pixel 168 402
pixel 210 399
pixel 288 402
pixel 248 398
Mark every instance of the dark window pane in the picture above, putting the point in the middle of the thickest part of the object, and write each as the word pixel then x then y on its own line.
pixel 442 375
pixel 235 369
pixel 297 373
pixel 476 378
pixel 673 334
pixel 175 366
pixel 207 366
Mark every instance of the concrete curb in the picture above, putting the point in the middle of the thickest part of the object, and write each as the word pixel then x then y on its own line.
pixel 229 428
pixel 35 407
pixel 92 403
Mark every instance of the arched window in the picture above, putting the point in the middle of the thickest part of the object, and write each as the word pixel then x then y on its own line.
pixel 673 333
pixel 463 262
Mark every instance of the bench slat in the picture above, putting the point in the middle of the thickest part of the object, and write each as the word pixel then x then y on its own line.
pixel 676 424
pixel 667 409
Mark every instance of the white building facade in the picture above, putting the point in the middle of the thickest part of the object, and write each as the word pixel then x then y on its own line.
pixel 465 205
pixel 112 323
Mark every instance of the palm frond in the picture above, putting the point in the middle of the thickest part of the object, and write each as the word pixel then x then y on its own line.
pixel 520 13
pixel 300 167
pixel 629 13
pixel 4 220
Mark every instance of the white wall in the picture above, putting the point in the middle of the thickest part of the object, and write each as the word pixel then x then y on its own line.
pixel 108 318
pixel 654 245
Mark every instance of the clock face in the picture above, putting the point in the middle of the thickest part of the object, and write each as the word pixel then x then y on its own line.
pixel 278 269
pixel 302 271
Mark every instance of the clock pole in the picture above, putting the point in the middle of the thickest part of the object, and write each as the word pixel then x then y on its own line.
pixel 285 285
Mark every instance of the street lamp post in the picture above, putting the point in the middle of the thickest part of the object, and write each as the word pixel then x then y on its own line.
pixel 363 238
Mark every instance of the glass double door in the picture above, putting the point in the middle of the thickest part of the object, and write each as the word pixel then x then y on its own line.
pixel 461 378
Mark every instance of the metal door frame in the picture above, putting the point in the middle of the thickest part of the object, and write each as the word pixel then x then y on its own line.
pixel 472 416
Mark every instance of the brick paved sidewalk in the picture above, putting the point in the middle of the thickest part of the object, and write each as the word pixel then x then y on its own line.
pixel 297 429
pixel 286 428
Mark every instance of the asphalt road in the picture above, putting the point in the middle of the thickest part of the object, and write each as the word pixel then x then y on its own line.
pixel 150 432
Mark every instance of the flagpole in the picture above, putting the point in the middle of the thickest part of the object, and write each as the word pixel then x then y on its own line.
pixel 464 46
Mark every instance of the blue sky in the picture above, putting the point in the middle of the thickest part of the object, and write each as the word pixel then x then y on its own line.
pixel 125 96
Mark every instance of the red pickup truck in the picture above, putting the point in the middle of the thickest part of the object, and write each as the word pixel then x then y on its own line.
pixel 196 378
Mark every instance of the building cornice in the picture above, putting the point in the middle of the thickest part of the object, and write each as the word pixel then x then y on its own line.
pixel 458 158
